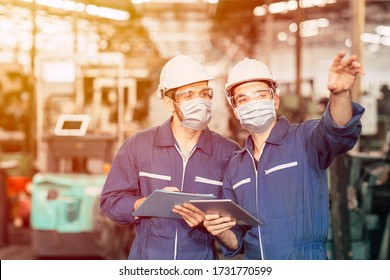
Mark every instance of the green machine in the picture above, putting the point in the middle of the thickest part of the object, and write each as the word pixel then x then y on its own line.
pixel 66 220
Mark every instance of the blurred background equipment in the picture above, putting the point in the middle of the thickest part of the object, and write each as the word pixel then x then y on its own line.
pixel 67 221
pixel 73 151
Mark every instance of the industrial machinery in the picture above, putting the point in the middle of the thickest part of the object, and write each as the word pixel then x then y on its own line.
pixel 66 220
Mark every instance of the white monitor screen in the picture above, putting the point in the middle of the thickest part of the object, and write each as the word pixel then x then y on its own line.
pixel 71 125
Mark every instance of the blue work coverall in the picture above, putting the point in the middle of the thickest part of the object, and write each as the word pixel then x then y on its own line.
pixel 287 188
pixel 151 160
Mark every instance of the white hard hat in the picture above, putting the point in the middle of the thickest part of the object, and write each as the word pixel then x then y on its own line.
pixel 248 70
pixel 180 71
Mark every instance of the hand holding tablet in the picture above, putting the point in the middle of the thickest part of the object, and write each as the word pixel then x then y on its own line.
pixel 226 207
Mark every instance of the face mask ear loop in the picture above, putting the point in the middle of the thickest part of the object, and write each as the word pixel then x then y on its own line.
pixel 229 97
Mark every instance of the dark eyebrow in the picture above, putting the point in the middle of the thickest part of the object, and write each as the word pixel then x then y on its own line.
pixel 239 95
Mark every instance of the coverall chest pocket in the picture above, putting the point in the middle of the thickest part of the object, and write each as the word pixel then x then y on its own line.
pixel 283 187
pixel 150 181
pixel 245 191
pixel 203 184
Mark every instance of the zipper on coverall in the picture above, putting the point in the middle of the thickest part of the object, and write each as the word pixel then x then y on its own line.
pixel 257 202
pixel 181 189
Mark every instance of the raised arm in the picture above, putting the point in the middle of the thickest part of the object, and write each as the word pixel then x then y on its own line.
pixel 342 76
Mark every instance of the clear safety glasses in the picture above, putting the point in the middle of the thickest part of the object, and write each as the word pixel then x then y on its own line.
pixel 245 97
pixel 205 93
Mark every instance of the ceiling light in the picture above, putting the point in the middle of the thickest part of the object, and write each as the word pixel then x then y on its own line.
pixel 385 41
pixel 260 11
pixel 374 47
pixel 278 7
pixel 282 36
pixel 111 13
pixel 370 38
pixel 293 27
pixel 309 32
pixel 348 43
pixel 80 7
pixel 313 3
pixel 291 5
pixel 169 1
pixel 139 1
pixel 383 30
pixel 323 22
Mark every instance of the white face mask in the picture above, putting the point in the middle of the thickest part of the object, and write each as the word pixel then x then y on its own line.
pixel 196 113
pixel 257 116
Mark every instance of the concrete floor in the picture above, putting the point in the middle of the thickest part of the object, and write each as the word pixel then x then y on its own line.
pixel 19 247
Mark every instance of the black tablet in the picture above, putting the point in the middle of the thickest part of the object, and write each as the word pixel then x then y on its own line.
pixel 226 207
pixel 160 203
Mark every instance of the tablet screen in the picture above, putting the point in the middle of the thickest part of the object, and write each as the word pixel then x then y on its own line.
pixel 71 125
pixel 226 207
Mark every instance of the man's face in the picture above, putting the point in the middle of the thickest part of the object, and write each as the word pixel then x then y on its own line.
pixel 250 91
pixel 192 91
pixel 189 92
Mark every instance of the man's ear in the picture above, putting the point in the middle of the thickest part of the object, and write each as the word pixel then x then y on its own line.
pixel 276 101
pixel 235 113
pixel 168 103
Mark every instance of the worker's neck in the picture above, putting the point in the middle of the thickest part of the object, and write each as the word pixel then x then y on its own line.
pixel 259 141
pixel 186 137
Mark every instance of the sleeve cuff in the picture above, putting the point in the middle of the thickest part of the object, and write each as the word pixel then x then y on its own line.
pixel 231 253
pixel 357 113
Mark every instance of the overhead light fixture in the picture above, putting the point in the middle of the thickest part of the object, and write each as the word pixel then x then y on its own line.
pixel 383 30
pixel 283 7
pixel 308 28
pixel 313 3
pixel 175 1
pixel 139 1
pixel 260 11
pixel 293 27
pixel 374 48
pixel 165 1
pixel 282 36
pixel 93 10
pixel 348 43
pixel 380 37
pixel 385 41
pixel 371 38
pixel 107 12
pixel 314 23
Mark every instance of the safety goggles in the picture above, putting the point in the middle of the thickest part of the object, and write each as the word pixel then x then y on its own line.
pixel 189 94
pixel 244 97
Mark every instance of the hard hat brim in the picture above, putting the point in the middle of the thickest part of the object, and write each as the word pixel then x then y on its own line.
pixel 229 89
pixel 161 91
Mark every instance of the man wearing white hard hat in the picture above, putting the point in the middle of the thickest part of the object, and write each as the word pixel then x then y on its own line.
pixel 182 154
pixel 280 175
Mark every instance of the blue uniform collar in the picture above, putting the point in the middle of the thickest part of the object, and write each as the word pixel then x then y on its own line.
pixel 276 136
pixel 165 138
pixel 280 129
